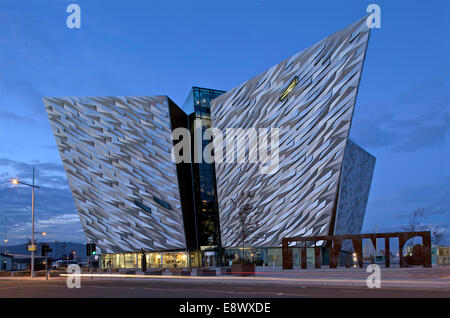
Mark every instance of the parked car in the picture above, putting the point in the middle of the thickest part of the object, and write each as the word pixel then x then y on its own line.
pixel 63 264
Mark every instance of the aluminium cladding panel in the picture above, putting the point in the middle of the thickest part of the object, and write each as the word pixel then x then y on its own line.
pixel 354 188
pixel 116 153
pixel 314 121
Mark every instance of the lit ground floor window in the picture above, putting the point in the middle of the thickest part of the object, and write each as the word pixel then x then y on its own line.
pixel 153 260
pixel 182 259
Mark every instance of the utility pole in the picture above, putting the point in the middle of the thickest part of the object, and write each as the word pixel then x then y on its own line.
pixel 32 228
pixel 33 246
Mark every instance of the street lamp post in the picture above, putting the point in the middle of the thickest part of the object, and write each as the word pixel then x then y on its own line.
pixel 33 186
pixel 5 241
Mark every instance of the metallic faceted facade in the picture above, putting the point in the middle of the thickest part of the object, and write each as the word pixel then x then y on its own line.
pixel 300 199
pixel 116 153
pixel 356 178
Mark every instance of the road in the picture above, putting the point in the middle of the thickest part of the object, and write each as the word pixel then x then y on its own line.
pixel 183 288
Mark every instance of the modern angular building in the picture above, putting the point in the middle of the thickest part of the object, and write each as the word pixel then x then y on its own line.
pixel 133 197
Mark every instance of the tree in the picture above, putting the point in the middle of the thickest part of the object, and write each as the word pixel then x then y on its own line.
pixel 247 224
pixel 437 234
pixel 415 223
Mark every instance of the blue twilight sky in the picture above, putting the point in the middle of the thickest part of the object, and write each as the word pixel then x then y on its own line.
pixel 150 47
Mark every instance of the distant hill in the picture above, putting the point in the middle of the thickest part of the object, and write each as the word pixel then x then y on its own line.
pixel 60 249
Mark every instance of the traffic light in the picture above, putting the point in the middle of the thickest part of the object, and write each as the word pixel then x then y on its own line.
pixel 45 249
pixel 91 249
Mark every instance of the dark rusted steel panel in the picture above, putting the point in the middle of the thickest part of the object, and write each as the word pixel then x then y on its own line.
pixel 387 253
pixel 401 243
pixel 287 255
pixel 318 257
pixel 303 257
pixel 426 241
pixel 334 250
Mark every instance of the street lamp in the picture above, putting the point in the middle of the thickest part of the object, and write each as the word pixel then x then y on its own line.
pixel 5 240
pixel 33 246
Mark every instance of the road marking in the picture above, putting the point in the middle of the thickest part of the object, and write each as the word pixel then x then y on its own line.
pixel 22 286
pixel 330 281
pixel 196 290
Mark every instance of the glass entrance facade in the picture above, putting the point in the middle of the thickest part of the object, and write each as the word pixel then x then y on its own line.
pixel 203 174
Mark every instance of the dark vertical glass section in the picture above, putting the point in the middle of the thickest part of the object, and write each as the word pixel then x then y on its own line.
pixel 204 177
pixel 178 118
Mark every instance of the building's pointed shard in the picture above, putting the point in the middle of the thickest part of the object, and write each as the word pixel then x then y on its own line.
pixel 310 97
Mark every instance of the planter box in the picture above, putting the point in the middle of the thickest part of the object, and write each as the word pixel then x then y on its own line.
pixel 108 270
pixel 154 272
pixel 180 272
pixel 206 272
pixel 243 269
